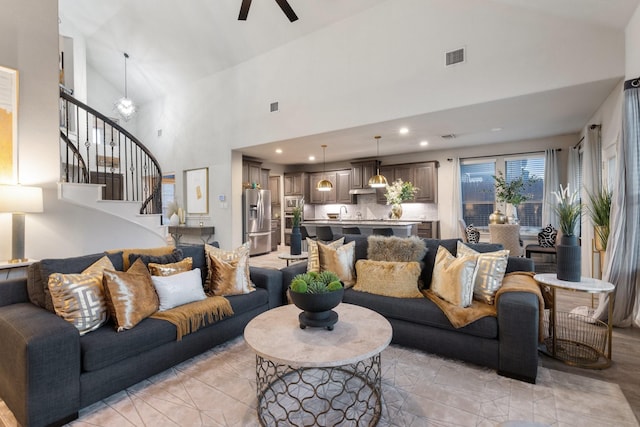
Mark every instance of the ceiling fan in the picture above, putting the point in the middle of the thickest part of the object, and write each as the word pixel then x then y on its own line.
pixel 284 5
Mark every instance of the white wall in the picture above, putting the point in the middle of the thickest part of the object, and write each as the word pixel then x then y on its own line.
pixel 632 46
pixel 384 63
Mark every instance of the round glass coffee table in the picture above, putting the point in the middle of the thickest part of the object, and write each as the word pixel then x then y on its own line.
pixel 314 376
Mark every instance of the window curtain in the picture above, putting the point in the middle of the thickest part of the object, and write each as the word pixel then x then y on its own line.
pixel 623 254
pixel 573 173
pixel 591 184
pixel 551 184
pixel 456 200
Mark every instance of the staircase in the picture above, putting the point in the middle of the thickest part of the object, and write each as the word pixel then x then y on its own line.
pixel 104 167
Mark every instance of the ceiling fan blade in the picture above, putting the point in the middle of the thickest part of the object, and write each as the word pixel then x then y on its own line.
pixel 286 8
pixel 244 10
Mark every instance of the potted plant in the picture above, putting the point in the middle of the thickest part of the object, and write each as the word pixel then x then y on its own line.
pixel 569 210
pixel 296 236
pixel 513 192
pixel 397 193
pixel 600 211
pixel 317 294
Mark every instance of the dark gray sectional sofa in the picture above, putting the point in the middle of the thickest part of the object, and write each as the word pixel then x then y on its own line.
pixel 48 371
pixel 508 343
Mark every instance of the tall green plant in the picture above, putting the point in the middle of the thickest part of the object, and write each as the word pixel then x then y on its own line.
pixel 513 192
pixel 600 212
pixel 568 208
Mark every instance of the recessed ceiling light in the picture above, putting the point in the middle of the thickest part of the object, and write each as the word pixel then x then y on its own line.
pixel 279 150
pixel 404 131
pixel 496 129
pixel 424 143
pixel 312 158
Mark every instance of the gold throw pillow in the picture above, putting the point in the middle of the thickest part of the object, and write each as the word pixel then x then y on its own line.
pixel 489 271
pixel 453 278
pixel 389 278
pixel 171 268
pixel 79 298
pixel 131 296
pixel 224 278
pixel 339 260
pixel 242 276
pixel 313 260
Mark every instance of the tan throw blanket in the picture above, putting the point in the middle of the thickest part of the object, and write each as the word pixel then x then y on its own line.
pixel 512 282
pixel 190 317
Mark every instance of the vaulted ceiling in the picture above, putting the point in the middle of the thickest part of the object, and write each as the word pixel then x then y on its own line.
pixel 171 44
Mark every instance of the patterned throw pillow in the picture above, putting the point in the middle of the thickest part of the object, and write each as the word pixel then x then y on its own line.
pixel 313 262
pixel 547 237
pixel 489 271
pixel 130 295
pixel 472 233
pixel 453 278
pixel 215 259
pixel 79 298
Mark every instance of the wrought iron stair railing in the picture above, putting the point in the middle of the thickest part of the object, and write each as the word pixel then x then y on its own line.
pixel 96 149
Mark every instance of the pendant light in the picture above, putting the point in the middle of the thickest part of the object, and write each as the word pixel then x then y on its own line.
pixel 324 184
pixel 377 181
pixel 125 106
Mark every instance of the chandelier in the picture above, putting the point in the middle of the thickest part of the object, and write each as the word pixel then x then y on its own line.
pixel 125 106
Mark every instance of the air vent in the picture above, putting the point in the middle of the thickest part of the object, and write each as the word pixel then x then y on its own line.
pixel 454 57
pixel 448 136
pixel 274 107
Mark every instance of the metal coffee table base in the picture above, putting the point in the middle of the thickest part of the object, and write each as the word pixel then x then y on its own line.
pixel 348 395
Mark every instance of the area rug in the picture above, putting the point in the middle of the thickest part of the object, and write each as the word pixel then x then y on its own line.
pixel 217 388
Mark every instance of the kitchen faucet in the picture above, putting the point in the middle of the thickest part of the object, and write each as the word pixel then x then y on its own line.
pixel 345 211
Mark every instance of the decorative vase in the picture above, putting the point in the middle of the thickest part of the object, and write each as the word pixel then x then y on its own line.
pixel 396 211
pixel 497 217
pixel 174 219
pixel 513 214
pixel 568 259
pixel 317 308
pixel 181 216
pixel 296 241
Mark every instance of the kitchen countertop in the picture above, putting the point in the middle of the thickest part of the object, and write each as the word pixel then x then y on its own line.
pixel 371 222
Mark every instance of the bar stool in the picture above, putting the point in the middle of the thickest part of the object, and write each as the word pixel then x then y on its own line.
pixel 351 230
pixel 324 233
pixel 305 233
pixel 383 231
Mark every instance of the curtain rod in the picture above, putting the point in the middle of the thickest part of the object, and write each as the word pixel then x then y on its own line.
pixel 505 155
pixel 582 139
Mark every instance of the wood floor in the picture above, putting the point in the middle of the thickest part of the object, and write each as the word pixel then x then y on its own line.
pixel 625 368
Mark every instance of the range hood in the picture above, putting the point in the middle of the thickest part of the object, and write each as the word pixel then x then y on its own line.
pixel 362 191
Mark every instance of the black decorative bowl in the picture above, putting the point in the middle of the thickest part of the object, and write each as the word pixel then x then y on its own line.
pixel 317 308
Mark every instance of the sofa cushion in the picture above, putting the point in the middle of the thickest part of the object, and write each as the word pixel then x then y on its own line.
pixel 105 346
pixel 197 254
pixel 419 311
pixel 247 302
pixel 218 263
pixel 393 248
pixel 390 278
pixel 178 289
pixel 340 260
pixel 453 277
pixel 430 258
pixel 174 256
pixel 362 245
pixel 489 271
pixel 37 283
pixel 313 253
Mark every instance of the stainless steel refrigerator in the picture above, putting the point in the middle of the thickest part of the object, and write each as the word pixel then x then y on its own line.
pixel 257 220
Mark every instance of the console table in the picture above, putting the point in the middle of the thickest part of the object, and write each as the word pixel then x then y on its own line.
pixel 204 233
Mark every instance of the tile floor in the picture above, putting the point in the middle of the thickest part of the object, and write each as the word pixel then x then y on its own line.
pixel 217 388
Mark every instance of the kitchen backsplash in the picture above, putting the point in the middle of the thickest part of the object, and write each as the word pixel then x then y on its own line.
pixel 370 209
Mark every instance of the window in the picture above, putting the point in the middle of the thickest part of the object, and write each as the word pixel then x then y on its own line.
pixel 478 188
pixel 529 212
pixel 478 191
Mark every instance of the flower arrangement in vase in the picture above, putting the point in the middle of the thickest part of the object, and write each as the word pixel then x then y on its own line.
pixel 513 192
pixel 398 192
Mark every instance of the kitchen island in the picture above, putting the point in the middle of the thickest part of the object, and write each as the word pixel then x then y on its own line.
pixel 400 228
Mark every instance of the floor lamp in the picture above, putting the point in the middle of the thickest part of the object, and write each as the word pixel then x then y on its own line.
pixel 18 201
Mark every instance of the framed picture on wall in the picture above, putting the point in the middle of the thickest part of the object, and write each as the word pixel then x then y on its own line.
pixel 197 191
pixel 8 125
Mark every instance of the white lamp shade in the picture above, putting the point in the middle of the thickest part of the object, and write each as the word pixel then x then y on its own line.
pixel 20 199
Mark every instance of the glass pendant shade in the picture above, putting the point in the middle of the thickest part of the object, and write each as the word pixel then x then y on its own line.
pixel 125 106
pixel 324 184
pixel 377 181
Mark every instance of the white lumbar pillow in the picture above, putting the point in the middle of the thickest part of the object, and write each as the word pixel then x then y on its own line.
pixel 179 289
